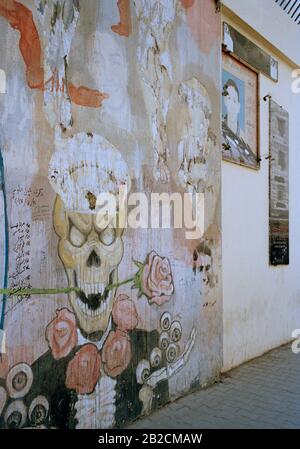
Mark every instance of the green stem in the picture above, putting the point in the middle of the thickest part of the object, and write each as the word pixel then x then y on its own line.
pixel 52 291
pixel 118 284
pixel 36 291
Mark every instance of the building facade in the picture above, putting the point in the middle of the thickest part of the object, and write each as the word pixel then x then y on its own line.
pixel 109 322
pixel 261 301
pixel 107 317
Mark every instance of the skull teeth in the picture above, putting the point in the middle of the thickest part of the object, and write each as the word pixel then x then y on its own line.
pixel 100 288
pixel 92 313
pixel 91 289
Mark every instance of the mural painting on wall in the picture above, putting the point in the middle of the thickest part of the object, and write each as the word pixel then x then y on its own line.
pixel 239 113
pixel 116 346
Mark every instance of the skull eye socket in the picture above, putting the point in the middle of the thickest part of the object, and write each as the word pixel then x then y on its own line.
pixel 108 236
pixel 76 237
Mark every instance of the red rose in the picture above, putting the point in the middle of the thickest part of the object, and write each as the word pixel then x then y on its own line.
pixel 83 370
pixel 156 279
pixel 124 313
pixel 116 353
pixel 61 333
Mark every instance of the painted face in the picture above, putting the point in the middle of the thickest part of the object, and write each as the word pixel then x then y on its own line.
pixel 111 68
pixel 199 123
pixel 206 275
pixel 91 257
pixel 196 97
pixel 232 102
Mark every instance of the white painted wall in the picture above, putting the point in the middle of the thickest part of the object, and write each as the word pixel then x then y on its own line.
pixel 261 303
pixel 271 22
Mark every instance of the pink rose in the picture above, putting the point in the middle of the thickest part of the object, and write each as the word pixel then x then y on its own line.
pixel 83 370
pixel 124 313
pixel 156 279
pixel 116 353
pixel 61 333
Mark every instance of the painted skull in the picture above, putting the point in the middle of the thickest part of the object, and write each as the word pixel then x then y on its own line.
pixel 91 257
pixel 89 251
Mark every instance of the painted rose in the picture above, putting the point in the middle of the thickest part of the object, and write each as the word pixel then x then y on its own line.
pixel 156 279
pixel 116 354
pixel 61 333
pixel 83 370
pixel 124 313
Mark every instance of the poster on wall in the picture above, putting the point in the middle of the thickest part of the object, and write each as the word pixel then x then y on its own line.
pixel 279 185
pixel 239 113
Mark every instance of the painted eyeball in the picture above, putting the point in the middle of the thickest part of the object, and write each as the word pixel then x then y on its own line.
pixel 19 380
pixel 155 357
pixel 38 410
pixel 176 331
pixel 164 341
pixel 165 321
pixel 15 415
pixel 172 353
pixel 142 371
pixel 3 399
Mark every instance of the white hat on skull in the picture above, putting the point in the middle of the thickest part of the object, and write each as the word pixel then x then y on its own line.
pixel 83 167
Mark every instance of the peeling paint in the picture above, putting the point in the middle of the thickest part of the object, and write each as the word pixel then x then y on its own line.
pixel 112 322
pixel 194 147
pixel 155 21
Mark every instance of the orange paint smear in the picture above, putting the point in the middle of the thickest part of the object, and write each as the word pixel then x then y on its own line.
pixel 83 96
pixel 187 3
pixel 124 26
pixel 20 18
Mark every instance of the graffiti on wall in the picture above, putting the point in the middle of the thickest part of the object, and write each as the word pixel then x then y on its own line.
pixel 118 345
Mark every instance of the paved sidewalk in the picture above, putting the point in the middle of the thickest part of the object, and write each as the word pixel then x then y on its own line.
pixel 263 393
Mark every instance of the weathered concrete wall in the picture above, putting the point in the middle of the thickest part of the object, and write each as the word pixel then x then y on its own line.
pixel 261 302
pixel 102 94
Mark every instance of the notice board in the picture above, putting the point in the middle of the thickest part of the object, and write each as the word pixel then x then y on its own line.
pixel 279 185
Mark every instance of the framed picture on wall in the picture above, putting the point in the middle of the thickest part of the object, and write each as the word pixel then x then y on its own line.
pixel 240 113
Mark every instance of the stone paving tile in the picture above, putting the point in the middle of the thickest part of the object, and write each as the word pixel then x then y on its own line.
pixel 261 394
